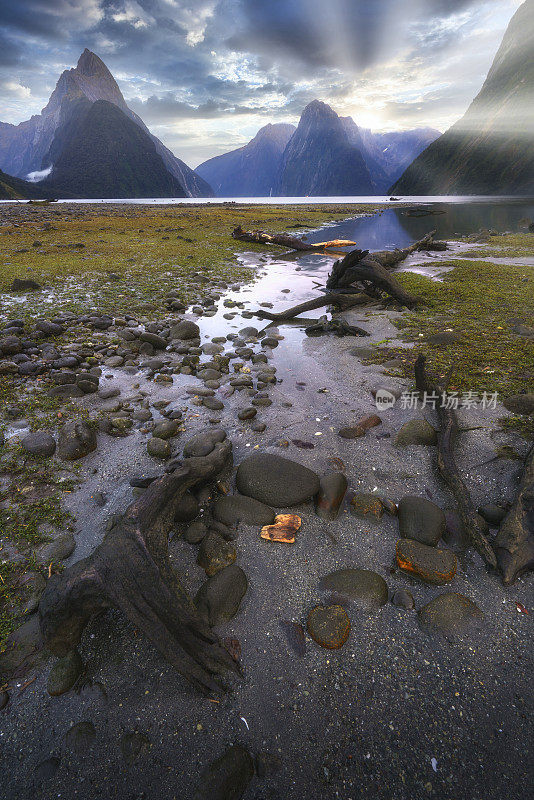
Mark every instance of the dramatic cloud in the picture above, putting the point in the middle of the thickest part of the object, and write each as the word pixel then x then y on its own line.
pixel 206 74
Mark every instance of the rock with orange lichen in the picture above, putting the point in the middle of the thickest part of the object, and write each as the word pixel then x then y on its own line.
pixel 329 626
pixel 430 564
pixel 367 506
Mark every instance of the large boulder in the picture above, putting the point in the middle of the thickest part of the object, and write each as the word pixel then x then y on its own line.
pixel 76 440
pixel 233 509
pixel 39 443
pixel 186 329
pixel 276 481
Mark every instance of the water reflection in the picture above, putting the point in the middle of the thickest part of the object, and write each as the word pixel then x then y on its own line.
pixel 397 228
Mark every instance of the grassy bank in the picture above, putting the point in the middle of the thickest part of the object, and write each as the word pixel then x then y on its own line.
pixel 127 258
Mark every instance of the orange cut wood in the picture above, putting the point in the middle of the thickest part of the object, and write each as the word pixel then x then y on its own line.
pixel 283 530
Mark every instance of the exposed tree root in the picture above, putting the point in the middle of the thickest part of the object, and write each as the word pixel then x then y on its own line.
pixel 131 571
pixel 447 433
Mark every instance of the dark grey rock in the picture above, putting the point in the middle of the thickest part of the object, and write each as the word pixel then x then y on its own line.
pixel 40 443
pixel 420 519
pixel 332 490
pixel 416 432
pixel 276 481
pixel 363 586
pixel 228 777
pixel 219 598
pixel 188 509
pixel 203 443
pixel 76 440
pixel 519 403
pixel 166 430
pixel 450 614
pixel 196 532
pixel 158 448
pixel 215 553
pixel 403 599
pixel 185 330
pixel 57 550
pixel 233 509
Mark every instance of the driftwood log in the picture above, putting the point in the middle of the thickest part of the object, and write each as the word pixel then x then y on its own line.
pixel 131 571
pixel 474 525
pixel 342 301
pixel 514 544
pixel 286 240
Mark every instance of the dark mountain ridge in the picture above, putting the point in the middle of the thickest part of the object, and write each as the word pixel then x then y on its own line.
pixel 490 150
pixel 24 148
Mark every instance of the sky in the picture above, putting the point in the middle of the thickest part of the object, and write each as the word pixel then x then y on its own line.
pixel 205 75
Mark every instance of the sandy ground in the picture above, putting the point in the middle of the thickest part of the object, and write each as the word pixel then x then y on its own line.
pixel 393 714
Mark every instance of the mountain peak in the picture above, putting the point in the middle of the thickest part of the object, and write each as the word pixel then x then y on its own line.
pixel 90 64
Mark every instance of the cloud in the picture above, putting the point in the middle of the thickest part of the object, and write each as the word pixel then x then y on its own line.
pixel 205 72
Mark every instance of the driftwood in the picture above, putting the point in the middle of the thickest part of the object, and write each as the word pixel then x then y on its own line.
pixel 448 430
pixel 286 240
pixel 514 544
pixel 342 301
pixel 337 326
pixel 131 571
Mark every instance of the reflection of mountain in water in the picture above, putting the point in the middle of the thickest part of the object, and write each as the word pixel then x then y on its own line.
pixel 394 228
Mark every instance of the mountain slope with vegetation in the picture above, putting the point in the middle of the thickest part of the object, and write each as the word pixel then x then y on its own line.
pixel 491 149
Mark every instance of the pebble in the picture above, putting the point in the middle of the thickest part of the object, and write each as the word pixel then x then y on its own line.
pixel 420 519
pixel 449 613
pixel 329 626
pixel 365 587
pixel 158 448
pixel 416 432
pixel 215 553
pixel 332 491
pixel 219 598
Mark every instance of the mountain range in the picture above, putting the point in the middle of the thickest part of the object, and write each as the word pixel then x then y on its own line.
pixel 490 150
pixel 34 146
pixel 325 155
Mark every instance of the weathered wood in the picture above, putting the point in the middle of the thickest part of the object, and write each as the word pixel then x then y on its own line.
pixel 514 544
pixel 373 268
pixel 286 240
pixel 342 301
pixel 448 430
pixel 131 571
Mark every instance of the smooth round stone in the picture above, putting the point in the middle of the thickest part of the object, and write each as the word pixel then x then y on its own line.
pixel 228 777
pixel 158 448
pixel 492 513
pixel 520 403
pixel 247 413
pixel 215 553
pixel 165 430
pixel 329 626
pixel 403 599
pixel 233 509
pixel 188 509
pixel 364 586
pixel 39 444
pixel 58 549
pixel 196 532
pixel 416 432
pixel 421 520
pixel 202 444
pixel 76 440
pixel 450 613
pixel 213 403
pixel 219 598
pixel 367 506
pixel 428 563
pixel 64 673
pixel 332 490
pixel 276 481
pixel 80 737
